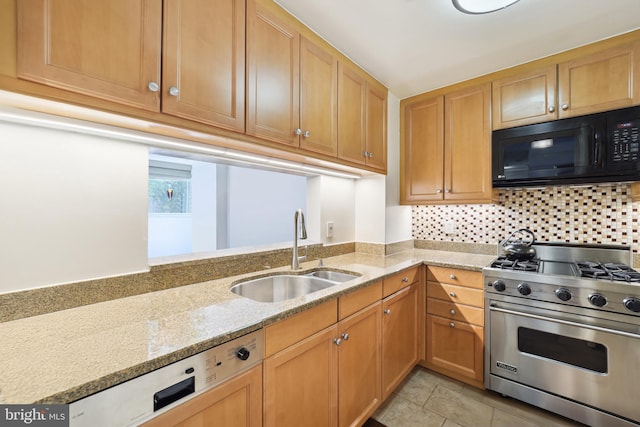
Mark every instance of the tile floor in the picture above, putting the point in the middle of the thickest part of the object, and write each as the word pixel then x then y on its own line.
pixel 427 399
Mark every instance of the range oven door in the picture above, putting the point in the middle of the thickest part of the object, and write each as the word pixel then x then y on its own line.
pixel 592 361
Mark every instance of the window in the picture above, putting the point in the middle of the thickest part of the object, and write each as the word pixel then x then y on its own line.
pixel 201 206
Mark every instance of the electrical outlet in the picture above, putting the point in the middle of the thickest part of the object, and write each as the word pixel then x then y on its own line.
pixel 450 227
pixel 330 229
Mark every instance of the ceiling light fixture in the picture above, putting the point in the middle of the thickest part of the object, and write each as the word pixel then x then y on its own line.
pixel 477 7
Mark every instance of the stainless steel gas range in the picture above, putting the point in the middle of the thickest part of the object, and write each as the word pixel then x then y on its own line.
pixel 563 332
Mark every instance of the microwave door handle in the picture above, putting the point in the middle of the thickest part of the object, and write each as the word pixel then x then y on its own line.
pixel 597 149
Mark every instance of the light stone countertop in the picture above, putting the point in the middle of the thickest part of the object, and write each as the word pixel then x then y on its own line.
pixel 66 355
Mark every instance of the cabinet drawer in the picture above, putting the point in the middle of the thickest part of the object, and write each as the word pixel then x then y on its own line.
pixel 400 280
pixel 457 294
pixel 471 279
pixel 289 331
pixel 459 312
pixel 357 300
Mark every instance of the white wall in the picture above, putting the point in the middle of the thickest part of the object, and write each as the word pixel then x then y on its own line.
pixel 337 204
pixel 370 211
pixel 73 207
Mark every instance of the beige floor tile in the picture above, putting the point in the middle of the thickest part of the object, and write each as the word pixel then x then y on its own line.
pixel 449 423
pixel 506 419
pixel 418 386
pixel 404 413
pixel 459 408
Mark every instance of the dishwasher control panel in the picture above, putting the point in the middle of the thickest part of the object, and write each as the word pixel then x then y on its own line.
pixel 140 399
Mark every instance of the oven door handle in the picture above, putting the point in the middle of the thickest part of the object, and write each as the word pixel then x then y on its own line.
pixel 494 307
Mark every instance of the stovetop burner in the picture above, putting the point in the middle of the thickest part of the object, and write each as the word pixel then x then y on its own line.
pixel 609 271
pixel 504 263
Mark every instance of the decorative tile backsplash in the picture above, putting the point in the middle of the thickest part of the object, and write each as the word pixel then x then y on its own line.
pixel 601 214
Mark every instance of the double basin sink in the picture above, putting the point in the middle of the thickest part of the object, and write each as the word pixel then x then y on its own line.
pixel 281 287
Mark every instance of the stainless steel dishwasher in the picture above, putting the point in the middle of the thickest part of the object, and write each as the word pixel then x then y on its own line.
pixel 143 398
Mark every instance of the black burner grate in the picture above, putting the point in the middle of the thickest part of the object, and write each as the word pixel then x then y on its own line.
pixel 608 271
pixel 504 263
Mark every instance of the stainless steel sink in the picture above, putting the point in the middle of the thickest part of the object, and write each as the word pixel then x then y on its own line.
pixel 281 287
pixel 334 276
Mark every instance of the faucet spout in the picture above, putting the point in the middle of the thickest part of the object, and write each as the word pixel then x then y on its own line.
pixel 298 217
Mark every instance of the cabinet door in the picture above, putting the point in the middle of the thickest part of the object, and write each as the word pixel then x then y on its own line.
pixel 203 69
pixel 351 114
pixel 273 76
pixel 603 81
pixel 235 403
pixel 421 151
pixel 399 337
pixel 525 98
pixel 467 145
pixel 359 366
pixel 105 49
pixel 455 347
pixel 301 384
pixel 376 127
pixel 318 99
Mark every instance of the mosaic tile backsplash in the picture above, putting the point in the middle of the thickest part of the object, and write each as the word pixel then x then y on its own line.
pixel 602 214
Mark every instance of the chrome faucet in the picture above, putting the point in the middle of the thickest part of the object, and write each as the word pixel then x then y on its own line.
pixel 295 259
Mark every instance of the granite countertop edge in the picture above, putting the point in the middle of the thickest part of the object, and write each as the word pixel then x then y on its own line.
pixel 372 268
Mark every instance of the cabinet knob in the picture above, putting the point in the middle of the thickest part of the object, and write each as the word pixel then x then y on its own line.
pixel 345 336
pixel 452 277
pixel 387 311
pixel 370 154
pixel 452 325
pixel 552 108
pixel 365 153
pixel 337 341
pixel 448 190
pixel 306 134
pixel 153 86
pixel 174 91
pixel 453 312
pixel 452 294
pixel 438 191
pixel 405 280
pixel 565 106
pixel 297 131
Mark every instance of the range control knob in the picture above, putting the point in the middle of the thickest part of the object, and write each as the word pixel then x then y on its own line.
pixel 563 294
pixel 524 289
pixel 597 300
pixel 499 286
pixel 632 304
pixel 243 353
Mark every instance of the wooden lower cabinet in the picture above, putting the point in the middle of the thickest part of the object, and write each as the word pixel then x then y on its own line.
pixel 400 325
pixel 359 361
pixel 455 346
pixel 455 324
pixel 301 383
pixel 235 403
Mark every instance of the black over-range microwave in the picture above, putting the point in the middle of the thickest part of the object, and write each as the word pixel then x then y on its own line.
pixel 602 147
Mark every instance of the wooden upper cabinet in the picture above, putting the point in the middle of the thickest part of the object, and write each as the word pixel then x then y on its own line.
pixel 291 84
pixel 467 145
pixel 421 151
pixel 525 98
pixel 605 80
pixel 273 76
pixel 105 49
pixel 362 119
pixel 203 63
pixel 446 148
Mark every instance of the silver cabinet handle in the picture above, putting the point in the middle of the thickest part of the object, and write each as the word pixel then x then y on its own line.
pixel 365 153
pixel 337 341
pixel 174 91
pixel 387 311
pixel 565 106
pixel 405 280
pixel 370 154
pixel 453 312
pixel 153 86
pixel 448 190
pixel 452 277
pixel 452 325
pixel 552 108
pixel 306 134
pixel 345 336
pixel 439 191
pixel 452 294
pixel 297 131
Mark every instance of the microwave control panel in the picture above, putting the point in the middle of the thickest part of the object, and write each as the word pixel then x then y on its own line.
pixel 625 141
